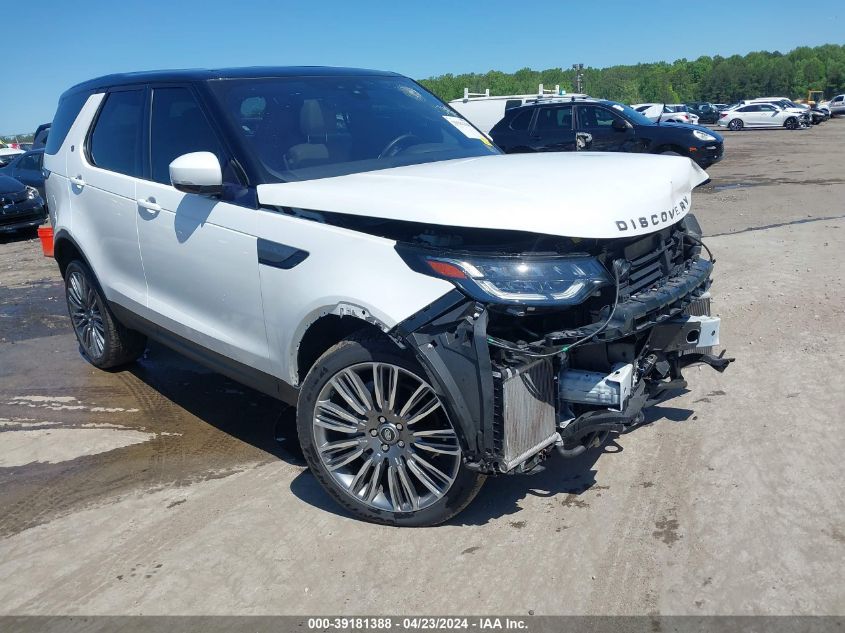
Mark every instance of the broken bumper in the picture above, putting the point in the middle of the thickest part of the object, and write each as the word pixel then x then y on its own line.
pixel 510 409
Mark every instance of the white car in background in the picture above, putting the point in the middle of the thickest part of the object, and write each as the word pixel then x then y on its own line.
pixel 8 154
pixel 673 112
pixel 754 115
pixel 836 105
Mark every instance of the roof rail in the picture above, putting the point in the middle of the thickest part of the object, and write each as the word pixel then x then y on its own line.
pixel 541 91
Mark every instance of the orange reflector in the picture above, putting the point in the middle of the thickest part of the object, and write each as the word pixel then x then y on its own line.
pixel 693 149
pixel 446 269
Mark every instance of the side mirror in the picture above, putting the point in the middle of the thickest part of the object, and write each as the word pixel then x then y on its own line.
pixel 619 125
pixel 197 172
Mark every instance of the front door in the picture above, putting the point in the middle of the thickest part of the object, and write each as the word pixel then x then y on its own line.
pixel 200 252
pixel 609 131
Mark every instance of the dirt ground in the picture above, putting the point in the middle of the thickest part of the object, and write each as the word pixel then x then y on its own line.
pixel 166 489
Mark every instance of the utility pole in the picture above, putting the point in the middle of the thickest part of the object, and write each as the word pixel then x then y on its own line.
pixel 579 77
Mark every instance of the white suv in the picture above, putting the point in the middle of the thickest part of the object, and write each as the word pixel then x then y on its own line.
pixel 344 241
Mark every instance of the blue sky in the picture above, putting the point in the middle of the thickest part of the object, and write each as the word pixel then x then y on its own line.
pixel 61 43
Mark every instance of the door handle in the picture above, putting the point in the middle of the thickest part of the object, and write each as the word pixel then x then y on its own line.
pixel 78 181
pixel 149 204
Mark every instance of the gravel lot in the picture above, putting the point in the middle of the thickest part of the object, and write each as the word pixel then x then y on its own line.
pixel 166 489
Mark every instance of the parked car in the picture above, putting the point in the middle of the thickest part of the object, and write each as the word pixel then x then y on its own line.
pixel 659 112
pixel 837 105
pixel 605 126
pixel 706 112
pixel 756 115
pixel 802 112
pixel 8 154
pixel 485 110
pixel 342 240
pixel 20 206
pixel 27 168
pixel 39 139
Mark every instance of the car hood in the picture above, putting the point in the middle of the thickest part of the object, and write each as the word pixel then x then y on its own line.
pixel 586 195
pixel 10 185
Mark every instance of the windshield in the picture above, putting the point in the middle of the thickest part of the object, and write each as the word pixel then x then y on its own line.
pixel 632 115
pixel 300 128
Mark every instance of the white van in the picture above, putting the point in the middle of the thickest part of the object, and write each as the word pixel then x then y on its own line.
pixel 341 240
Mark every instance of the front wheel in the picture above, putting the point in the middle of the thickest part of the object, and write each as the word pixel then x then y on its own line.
pixel 735 125
pixel 378 439
pixel 791 123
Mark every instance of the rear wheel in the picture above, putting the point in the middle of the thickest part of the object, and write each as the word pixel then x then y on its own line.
pixel 791 123
pixel 377 438
pixel 104 341
pixel 735 125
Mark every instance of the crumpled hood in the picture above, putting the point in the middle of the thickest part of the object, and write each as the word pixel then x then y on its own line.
pixel 584 194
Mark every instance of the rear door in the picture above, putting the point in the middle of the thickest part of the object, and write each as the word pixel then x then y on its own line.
pixel 102 177
pixel 200 252
pixel 553 129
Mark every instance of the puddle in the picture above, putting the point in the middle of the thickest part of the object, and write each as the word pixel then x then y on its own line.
pixel 734 185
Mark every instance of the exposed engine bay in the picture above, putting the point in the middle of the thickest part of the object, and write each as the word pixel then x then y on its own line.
pixel 526 378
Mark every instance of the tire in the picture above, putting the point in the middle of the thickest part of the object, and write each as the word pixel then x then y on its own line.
pixel 379 475
pixel 736 125
pixel 669 152
pixel 103 340
pixel 791 123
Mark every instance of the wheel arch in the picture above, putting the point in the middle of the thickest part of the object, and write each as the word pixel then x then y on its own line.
pixel 65 250
pixel 326 330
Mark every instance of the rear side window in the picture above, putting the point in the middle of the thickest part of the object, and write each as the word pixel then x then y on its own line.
pixel 512 103
pixel 66 114
pixel 178 127
pixel 554 119
pixel 116 140
pixel 521 121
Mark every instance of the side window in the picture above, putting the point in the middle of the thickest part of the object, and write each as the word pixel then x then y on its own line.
pixel 558 119
pixel 116 140
pixel 178 127
pixel 597 118
pixel 66 114
pixel 512 103
pixel 521 121
pixel 32 162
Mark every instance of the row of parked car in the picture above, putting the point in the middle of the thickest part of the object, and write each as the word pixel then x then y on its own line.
pixel 556 122
pixel 22 199
pixel 578 122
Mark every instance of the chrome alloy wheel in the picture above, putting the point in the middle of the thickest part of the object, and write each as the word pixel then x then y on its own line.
pixel 85 315
pixel 382 434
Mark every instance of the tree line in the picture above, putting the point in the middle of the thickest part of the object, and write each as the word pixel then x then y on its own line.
pixel 716 79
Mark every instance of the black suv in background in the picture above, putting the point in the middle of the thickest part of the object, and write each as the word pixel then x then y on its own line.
pixel 602 126
pixel 705 111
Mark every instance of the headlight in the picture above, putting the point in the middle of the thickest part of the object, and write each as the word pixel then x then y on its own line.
pixel 551 280
pixel 703 136
pixel 31 193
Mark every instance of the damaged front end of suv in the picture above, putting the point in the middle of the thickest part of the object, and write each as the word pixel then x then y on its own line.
pixel 554 343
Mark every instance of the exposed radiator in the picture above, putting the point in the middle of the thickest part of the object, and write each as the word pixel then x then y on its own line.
pixel 524 414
